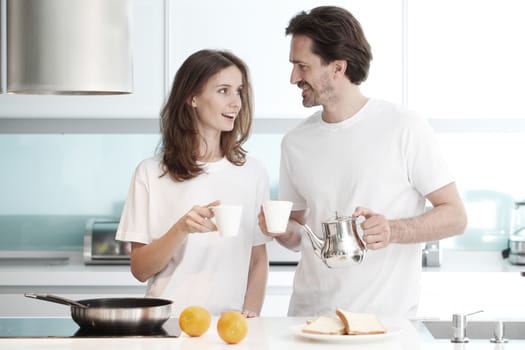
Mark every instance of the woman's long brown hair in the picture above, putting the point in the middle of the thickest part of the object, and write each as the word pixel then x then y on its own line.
pixel 180 137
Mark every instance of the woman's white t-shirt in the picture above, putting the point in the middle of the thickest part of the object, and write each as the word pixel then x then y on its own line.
pixel 207 270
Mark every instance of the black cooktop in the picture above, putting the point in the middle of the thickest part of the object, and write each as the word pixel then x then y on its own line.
pixel 59 327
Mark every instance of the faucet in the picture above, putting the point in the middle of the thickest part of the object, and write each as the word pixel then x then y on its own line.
pixel 459 327
pixel 499 331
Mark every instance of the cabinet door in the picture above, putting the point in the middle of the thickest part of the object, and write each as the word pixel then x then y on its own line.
pixel 276 305
pixel 13 303
pixel 147 33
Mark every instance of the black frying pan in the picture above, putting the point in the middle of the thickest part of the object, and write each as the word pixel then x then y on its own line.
pixel 115 314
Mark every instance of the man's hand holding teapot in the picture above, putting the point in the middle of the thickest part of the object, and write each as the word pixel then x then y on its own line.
pixel 376 228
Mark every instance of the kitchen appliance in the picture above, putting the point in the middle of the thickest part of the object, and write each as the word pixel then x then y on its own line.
pixel 116 314
pixel 65 327
pixel 432 255
pixel 101 248
pixel 516 249
pixel 100 245
pixel 65 47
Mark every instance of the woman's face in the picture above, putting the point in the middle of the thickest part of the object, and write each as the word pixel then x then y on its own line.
pixel 219 102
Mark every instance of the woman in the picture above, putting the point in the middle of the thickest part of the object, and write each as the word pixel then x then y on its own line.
pixel 175 247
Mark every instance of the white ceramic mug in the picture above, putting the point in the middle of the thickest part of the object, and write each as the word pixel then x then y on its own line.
pixel 227 219
pixel 277 214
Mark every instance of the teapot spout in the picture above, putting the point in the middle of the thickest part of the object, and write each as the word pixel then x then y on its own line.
pixel 317 243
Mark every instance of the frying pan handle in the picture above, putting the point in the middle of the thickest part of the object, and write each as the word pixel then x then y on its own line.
pixel 55 299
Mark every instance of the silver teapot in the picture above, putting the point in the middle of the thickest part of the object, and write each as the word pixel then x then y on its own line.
pixel 343 244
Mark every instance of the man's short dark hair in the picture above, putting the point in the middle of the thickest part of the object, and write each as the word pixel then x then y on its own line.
pixel 335 35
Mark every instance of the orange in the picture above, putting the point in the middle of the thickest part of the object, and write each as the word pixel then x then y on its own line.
pixel 232 327
pixel 194 320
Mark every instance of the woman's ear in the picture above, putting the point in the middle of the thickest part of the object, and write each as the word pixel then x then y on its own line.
pixel 193 102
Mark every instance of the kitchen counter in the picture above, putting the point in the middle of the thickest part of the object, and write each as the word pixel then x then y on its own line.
pixel 264 333
pixel 474 261
pixel 280 276
pixel 63 274
pixel 467 281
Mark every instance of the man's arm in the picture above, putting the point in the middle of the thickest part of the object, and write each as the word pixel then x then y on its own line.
pixel 446 218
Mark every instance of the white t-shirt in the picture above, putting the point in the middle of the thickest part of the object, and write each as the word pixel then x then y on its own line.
pixel 384 158
pixel 208 270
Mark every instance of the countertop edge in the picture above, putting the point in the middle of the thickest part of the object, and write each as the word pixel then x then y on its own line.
pixel 279 277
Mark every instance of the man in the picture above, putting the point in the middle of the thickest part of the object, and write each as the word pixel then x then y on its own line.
pixel 358 156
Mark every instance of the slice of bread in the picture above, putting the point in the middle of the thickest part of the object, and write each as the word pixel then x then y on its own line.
pixel 356 323
pixel 325 325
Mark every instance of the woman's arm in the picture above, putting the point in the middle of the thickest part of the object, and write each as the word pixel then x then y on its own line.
pixel 149 259
pixel 257 278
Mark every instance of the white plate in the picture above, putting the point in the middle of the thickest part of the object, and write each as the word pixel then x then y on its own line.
pixel 297 330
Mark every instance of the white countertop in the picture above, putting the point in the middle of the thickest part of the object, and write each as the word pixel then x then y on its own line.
pixel 474 261
pixel 64 274
pixel 263 334
pixel 467 281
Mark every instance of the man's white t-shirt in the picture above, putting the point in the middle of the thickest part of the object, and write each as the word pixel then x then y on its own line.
pixel 384 158
pixel 207 270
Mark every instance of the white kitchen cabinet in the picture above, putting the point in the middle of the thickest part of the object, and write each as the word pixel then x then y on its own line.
pixel 73 280
pixel 498 294
pixel 149 79
pixel 255 31
pixel 276 305
pixel 465 282
pixel 14 303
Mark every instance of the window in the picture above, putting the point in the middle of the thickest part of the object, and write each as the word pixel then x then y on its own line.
pixel 465 58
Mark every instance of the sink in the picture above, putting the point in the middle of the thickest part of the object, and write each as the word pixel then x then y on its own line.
pixel 476 329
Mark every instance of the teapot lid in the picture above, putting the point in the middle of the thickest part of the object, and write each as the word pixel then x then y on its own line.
pixel 337 218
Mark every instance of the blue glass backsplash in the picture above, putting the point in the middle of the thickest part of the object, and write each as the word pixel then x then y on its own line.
pixel 51 184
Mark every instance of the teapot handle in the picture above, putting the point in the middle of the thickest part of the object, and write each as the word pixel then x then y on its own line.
pixel 357 222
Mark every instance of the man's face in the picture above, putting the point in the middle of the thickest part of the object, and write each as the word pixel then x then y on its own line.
pixel 308 72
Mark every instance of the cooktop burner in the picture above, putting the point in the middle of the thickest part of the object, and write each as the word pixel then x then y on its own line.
pixel 59 327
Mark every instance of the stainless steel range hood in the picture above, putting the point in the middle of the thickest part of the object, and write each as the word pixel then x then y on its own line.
pixel 69 47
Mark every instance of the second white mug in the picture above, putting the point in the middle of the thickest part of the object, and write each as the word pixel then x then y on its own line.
pixel 277 214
